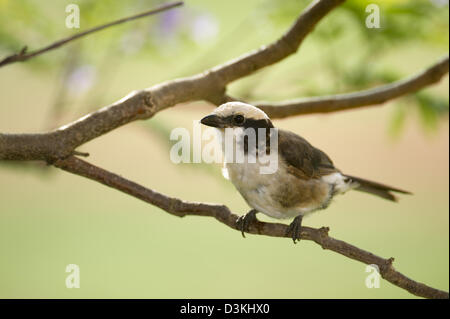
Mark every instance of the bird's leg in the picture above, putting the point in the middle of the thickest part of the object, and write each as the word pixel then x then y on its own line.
pixel 244 221
pixel 295 228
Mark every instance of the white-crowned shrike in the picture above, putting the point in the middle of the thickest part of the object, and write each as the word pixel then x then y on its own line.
pixel 305 181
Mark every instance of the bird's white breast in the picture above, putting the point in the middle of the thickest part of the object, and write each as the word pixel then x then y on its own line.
pixel 255 187
pixel 265 192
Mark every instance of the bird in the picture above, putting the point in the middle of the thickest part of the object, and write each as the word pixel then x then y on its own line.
pixel 306 179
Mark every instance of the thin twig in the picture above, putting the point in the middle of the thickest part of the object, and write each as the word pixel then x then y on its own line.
pixel 24 56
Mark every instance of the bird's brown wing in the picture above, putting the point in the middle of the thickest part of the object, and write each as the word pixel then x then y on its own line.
pixel 303 159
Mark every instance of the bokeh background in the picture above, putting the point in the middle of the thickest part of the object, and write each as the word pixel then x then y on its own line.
pixel 127 248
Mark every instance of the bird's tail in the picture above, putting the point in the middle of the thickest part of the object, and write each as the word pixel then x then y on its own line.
pixel 377 189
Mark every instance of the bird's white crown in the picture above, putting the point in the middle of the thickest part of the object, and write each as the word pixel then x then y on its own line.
pixel 247 110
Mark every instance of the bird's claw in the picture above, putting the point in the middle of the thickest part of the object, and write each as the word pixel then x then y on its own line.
pixel 244 221
pixel 294 228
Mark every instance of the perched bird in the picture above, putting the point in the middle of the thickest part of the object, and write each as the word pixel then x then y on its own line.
pixel 305 180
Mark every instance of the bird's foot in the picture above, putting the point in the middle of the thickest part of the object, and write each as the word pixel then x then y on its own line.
pixel 294 228
pixel 244 221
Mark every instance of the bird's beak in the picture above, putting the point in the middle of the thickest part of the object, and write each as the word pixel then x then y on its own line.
pixel 213 120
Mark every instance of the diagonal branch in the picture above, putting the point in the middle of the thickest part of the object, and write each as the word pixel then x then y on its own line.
pixel 340 102
pixel 288 44
pixel 24 56
pixel 221 213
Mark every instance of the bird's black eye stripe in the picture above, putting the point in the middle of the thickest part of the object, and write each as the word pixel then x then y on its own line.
pixel 238 119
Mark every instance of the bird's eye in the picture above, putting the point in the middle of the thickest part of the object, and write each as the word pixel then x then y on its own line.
pixel 238 119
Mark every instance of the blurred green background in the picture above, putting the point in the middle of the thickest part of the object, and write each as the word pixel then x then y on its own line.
pixel 127 248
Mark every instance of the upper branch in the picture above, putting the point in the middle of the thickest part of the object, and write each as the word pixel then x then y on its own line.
pixel 183 208
pixel 279 50
pixel 24 56
pixel 340 102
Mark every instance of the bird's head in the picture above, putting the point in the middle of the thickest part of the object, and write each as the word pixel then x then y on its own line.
pixel 237 114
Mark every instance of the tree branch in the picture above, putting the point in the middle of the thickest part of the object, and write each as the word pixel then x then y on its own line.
pixel 340 102
pixel 183 208
pixel 279 50
pixel 24 56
